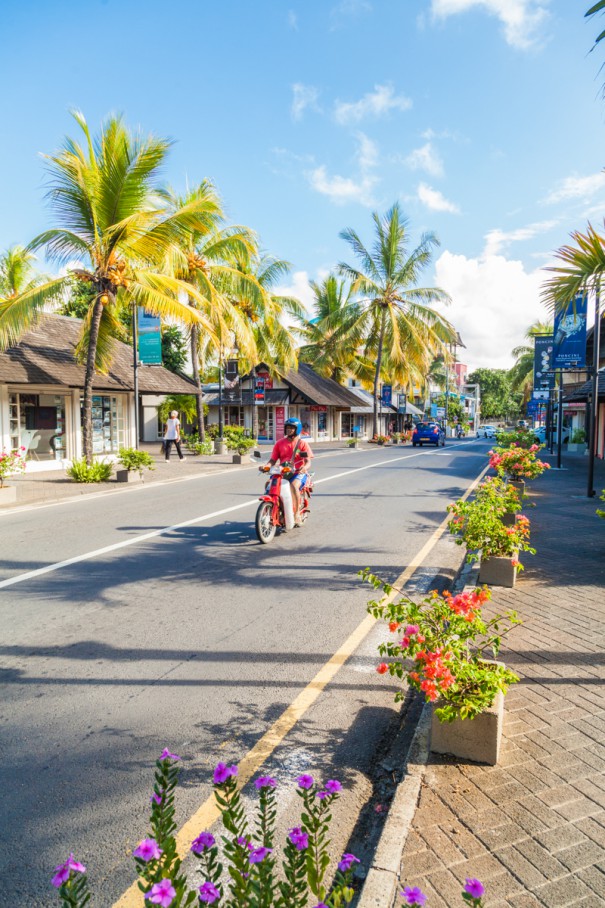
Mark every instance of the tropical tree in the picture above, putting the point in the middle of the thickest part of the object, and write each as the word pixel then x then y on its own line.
pixel 17 273
pixel 396 317
pixel 110 218
pixel 581 271
pixel 521 373
pixel 498 400
pixel 174 348
pixel 597 8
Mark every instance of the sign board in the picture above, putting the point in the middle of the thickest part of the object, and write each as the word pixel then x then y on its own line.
pixel 150 338
pixel 280 418
pixel 319 408
pixel 267 380
pixel 259 391
pixel 434 409
pixel 232 391
pixel 231 369
pixel 570 334
pixel 544 377
pixel 387 395
pixel 402 404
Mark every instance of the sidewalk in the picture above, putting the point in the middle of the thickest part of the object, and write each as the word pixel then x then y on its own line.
pixel 532 829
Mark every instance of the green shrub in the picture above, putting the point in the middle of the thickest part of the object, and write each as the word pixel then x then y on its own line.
pixel 134 460
pixel 578 437
pixel 99 471
pixel 240 443
pixel 200 447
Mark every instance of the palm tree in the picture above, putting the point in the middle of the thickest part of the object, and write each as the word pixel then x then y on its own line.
pixel 521 373
pixel 17 273
pixel 581 272
pixel 396 316
pixel 110 218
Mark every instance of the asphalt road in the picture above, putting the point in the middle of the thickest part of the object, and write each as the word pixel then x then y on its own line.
pixel 137 621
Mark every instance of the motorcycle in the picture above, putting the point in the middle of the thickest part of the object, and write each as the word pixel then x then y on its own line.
pixel 460 433
pixel 276 509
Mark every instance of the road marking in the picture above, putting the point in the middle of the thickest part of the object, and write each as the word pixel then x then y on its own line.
pixel 126 543
pixel 208 813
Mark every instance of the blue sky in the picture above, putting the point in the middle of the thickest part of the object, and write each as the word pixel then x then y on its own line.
pixel 483 118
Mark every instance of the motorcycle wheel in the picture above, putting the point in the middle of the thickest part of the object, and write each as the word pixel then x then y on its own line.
pixel 265 528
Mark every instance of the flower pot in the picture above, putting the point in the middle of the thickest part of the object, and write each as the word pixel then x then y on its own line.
pixel 128 476
pixel 237 458
pixel 8 495
pixel 519 485
pixel 475 739
pixel 573 448
pixel 498 571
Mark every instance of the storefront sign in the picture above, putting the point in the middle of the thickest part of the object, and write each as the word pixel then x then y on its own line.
pixel 267 380
pixel 280 418
pixel 150 338
pixel 318 409
pixel 544 378
pixel 259 391
pixel 570 335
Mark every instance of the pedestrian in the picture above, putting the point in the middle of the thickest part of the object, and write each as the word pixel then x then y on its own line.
pixel 172 435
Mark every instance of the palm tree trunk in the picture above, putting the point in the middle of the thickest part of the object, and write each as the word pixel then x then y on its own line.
pixel 378 370
pixel 89 378
pixel 254 409
pixel 199 403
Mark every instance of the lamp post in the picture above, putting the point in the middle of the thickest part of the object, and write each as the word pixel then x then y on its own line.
pixel 135 368
pixel 594 427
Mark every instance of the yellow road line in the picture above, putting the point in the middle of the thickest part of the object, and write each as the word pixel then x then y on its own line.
pixel 254 759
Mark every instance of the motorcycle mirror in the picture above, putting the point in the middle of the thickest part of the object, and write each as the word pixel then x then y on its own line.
pixel 257 454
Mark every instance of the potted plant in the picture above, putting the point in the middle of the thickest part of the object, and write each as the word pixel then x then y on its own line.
pixel 478 526
pixel 10 462
pixel 134 462
pixel 352 443
pixel 578 441
pixel 517 464
pixel 502 497
pixel 444 648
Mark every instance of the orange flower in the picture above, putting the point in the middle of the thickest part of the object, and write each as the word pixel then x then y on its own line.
pixel 393 626
pixel 382 668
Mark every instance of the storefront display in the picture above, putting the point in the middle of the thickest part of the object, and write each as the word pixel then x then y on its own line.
pixel 37 423
pixel 107 424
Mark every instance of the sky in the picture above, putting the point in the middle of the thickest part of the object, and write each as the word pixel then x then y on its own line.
pixel 484 119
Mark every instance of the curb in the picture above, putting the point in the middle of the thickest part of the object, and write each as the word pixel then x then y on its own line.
pixel 380 886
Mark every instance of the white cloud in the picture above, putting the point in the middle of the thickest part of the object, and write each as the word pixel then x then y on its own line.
pixel 425 158
pixel 292 20
pixel 494 301
pixel 304 96
pixel 521 18
pixel 576 187
pixel 348 189
pixel 497 240
pixel 435 200
pixel 348 9
pixel 298 288
pixel 376 103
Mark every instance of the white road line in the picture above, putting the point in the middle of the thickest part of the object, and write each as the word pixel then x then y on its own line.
pixel 88 556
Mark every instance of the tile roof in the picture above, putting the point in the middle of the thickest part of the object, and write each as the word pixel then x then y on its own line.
pixel 45 356
pixel 314 389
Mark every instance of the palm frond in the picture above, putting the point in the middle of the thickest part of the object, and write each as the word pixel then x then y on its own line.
pixel 20 313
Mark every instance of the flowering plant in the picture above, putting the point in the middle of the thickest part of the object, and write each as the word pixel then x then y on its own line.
pixel 599 511
pixel 251 880
pixel 443 647
pixel 472 894
pixel 517 463
pixel 522 438
pixel 381 439
pixel 478 524
pixel 11 462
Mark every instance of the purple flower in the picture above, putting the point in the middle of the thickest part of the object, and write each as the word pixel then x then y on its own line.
pixel 305 781
pixel 156 797
pixel 162 893
pixel 265 782
pixel 332 785
pixel 346 862
pixel 208 892
pixel 223 772
pixel 321 795
pixel 299 839
pixel 320 905
pixel 166 755
pixel 147 850
pixel 414 895
pixel 243 841
pixel 203 841
pixel 475 888
pixel 62 871
pixel 259 854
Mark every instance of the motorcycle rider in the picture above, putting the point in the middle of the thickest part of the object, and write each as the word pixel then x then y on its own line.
pixel 293 450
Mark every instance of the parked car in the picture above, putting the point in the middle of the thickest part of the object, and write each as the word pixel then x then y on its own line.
pixel 430 433
pixel 486 432
pixel 540 434
pixel 522 424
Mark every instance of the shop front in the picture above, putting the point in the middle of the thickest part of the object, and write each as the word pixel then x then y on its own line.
pixel 37 423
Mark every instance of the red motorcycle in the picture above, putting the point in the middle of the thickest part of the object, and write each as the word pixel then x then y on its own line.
pixel 276 508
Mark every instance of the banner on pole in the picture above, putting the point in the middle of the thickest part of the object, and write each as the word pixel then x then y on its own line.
pixel 570 334
pixel 387 395
pixel 403 404
pixel 150 338
pixel 259 391
pixel 544 377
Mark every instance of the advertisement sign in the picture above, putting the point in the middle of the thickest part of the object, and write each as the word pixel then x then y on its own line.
pixel 267 380
pixel 402 404
pixel 434 410
pixel 570 334
pixel 232 391
pixel 544 377
pixel 387 395
pixel 259 391
pixel 150 338
pixel 280 418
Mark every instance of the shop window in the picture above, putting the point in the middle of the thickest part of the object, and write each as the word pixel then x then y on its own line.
pixel 107 424
pixel 265 424
pixel 37 423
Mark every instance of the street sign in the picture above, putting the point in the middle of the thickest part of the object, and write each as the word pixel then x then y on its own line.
pixel 570 334
pixel 150 338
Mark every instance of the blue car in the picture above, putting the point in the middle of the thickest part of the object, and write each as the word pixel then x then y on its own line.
pixel 429 433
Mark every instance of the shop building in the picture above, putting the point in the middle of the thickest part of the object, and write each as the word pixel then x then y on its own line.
pixel 41 388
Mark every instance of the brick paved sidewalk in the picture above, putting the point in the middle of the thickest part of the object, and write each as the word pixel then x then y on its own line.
pixel 533 828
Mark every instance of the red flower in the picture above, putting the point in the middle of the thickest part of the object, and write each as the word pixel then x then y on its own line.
pixel 382 668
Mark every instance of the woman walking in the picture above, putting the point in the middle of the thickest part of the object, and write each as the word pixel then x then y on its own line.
pixel 172 435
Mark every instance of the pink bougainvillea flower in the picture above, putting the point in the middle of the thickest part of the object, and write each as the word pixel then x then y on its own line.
pixel 203 841
pixel 162 893
pixel 411 629
pixel 382 668
pixel 305 781
pixel 147 850
pixel 166 755
pixel 62 871
pixel 208 892
pixel 414 895
pixel 474 888
pixel 223 772
pixel 333 785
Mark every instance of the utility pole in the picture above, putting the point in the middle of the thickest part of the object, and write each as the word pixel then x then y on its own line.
pixel 594 427
pixel 135 368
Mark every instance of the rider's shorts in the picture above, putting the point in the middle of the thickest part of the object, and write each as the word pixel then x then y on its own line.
pixel 302 476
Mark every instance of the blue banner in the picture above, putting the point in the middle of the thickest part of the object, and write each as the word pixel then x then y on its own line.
pixel 570 334
pixel 544 377
pixel 150 338
pixel 387 394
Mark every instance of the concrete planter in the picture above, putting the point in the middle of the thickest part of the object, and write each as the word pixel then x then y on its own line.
pixel 576 448
pixel 498 571
pixel 220 446
pixel 508 520
pixel 475 739
pixel 8 495
pixel 519 485
pixel 237 458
